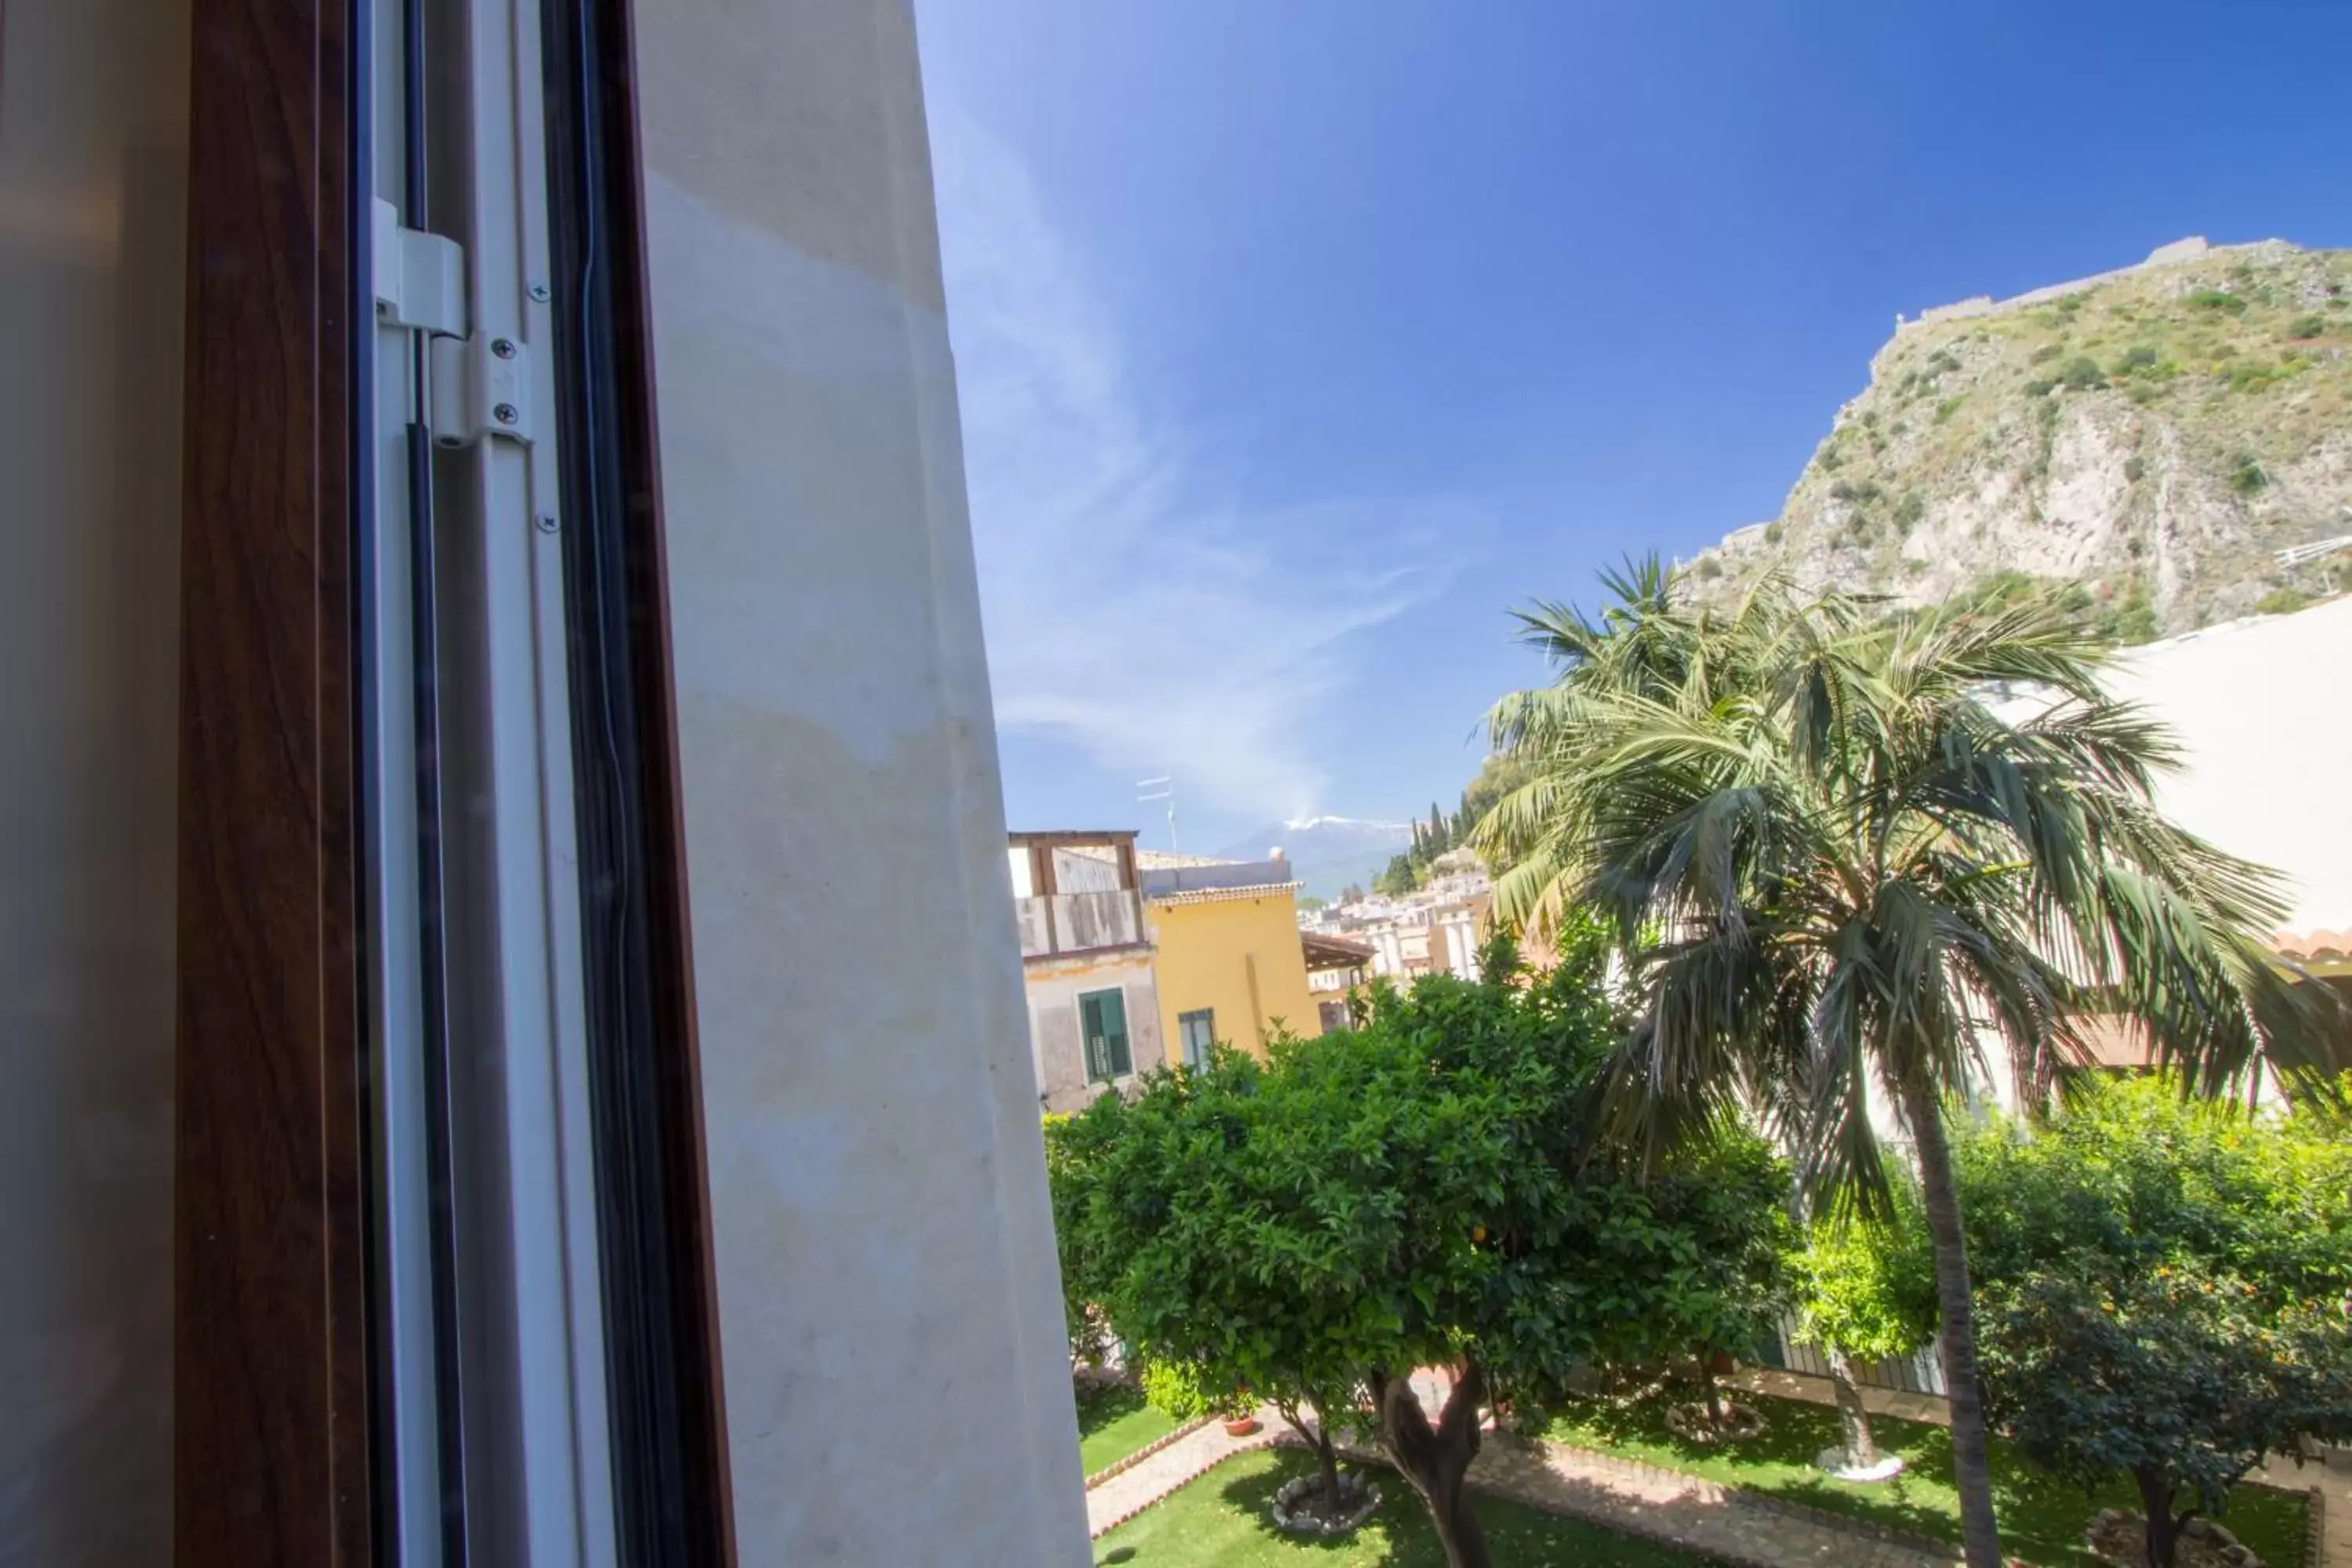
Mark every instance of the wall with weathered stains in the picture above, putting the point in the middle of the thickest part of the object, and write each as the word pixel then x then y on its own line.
pixel 1055 986
pixel 896 1379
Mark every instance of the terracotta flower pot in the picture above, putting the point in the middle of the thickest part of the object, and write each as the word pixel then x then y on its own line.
pixel 1722 1364
pixel 1241 1426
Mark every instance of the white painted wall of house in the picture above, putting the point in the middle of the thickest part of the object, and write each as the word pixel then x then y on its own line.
pixel 2261 710
pixel 2266 757
pixel 1057 1048
pixel 891 1320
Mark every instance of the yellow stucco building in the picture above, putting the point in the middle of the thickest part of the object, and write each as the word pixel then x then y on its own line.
pixel 1227 957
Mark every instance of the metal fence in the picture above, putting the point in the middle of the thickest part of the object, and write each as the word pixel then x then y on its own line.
pixel 1921 1372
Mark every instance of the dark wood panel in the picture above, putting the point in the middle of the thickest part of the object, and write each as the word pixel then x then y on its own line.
pixel 271 1405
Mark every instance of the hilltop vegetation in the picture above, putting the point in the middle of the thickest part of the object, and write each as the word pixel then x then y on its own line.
pixel 1445 837
pixel 2155 437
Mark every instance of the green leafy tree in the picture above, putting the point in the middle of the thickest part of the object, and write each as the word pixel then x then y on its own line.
pixel 2166 1288
pixel 1401 877
pixel 1417 1192
pixel 1082 1273
pixel 1825 856
pixel 1704 1243
pixel 1498 774
pixel 1176 1389
pixel 1160 1200
pixel 1865 1291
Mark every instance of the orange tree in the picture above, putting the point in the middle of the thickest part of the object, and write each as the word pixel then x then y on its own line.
pixel 1418 1191
pixel 1865 1291
pixel 2165 1289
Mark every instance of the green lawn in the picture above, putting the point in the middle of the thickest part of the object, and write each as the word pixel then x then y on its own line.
pixel 2042 1519
pixel 1221 1518
pixel 1114 1422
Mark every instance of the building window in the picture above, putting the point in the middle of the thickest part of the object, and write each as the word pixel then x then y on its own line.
pixel 1102 1019
pixel 1198 1030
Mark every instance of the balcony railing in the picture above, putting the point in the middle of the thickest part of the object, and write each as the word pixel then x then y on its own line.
pixel 1080 922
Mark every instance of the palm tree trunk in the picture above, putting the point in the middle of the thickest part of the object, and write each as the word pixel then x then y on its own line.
pixel 1972 1465
pixel 1861 1444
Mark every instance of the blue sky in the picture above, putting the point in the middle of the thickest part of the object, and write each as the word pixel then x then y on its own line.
pixel 1298 340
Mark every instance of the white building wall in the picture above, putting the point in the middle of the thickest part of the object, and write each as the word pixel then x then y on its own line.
pixel 2264 759
pixel 2259 710
pixel 1058 1050
pixel 897 1381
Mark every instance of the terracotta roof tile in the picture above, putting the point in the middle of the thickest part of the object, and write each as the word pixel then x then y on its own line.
pixel 2312 944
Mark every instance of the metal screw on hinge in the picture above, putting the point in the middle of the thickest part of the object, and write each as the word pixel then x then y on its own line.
pixel 505 413
pixel 503 347
pixel 547 523
pixel 539 292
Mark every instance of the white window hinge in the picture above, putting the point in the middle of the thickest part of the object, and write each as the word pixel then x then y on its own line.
pixel 478 385
pixel 420 278
pixel 480 388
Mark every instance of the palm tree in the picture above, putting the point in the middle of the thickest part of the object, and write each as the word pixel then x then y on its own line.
pixel 1848 852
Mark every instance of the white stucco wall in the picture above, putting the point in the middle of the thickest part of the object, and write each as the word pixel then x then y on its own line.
pixel 2258 707
pixel 2264 759
pixel 896 1380
pixel 1057 1049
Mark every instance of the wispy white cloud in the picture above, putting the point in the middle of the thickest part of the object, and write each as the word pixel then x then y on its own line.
pixel 1128 613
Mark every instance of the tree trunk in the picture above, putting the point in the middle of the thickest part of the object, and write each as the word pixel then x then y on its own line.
pixel 1317 1437
pixel 1861 1446
pixel 1710 1395
pixel 1437 1459
pixel 1971 1467
pixel 2155 1502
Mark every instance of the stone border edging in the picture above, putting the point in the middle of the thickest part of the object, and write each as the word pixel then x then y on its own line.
pixel 2314 1544
pixel 1246 1446
pixel 1162 1441
pixel 1829 1519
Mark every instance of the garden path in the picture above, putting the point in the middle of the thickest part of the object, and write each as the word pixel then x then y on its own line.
pixel 1140 1486
pixel 1683 1510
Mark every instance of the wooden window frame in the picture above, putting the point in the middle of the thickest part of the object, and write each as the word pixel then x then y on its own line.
pixel 1207 1016
pixel 275 1406
pixel 272 1456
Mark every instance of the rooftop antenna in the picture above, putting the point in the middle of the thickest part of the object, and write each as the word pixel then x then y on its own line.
pixel 1161 789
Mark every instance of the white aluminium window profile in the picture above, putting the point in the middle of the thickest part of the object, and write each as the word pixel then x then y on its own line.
pixel 464 330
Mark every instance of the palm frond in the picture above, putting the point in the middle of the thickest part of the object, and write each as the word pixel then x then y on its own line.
pixel 1845 850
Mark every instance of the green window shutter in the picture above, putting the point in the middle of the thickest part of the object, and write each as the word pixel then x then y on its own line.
pixel 1115 1032
pixel 1102 1017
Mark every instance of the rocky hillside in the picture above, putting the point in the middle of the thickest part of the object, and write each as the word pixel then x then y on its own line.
pixel 2158 435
